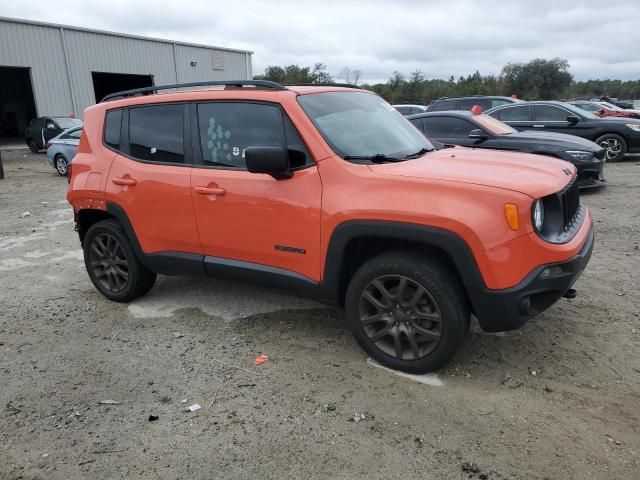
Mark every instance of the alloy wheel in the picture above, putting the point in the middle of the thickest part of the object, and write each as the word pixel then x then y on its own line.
pixel 401 317
pixel 109 262
pixel 612 147
pixel 61 166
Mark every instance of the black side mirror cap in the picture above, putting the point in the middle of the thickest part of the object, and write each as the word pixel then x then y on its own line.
pixel 273 161
pixel 573 119
pixel 478 134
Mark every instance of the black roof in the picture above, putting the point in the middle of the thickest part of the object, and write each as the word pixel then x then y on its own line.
pixel 445 113
pixel 476 96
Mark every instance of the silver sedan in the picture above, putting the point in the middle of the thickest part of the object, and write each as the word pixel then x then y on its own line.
pixel 61 149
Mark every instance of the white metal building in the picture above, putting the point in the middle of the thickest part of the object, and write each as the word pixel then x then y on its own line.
pixel 49 69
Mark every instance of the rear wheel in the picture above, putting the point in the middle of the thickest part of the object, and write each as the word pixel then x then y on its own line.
pixel 614 145
pixel 61 165
pixel 407 311
pixel 33 146
pixel 112 264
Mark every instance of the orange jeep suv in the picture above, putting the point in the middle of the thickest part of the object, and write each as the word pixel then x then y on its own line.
pixel 330 193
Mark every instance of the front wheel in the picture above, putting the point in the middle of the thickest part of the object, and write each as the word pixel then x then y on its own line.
pixel 61 165
pixel 112 264
pixel 614 145
pixel 407 311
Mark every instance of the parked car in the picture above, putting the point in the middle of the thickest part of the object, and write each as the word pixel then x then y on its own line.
pixel 618 136
pixel 482 131
pixel 618 103
pixel 467 103
pixel 61 149
pixel 327 192
pixel 407 110
pixel 604 109
pixel 43 129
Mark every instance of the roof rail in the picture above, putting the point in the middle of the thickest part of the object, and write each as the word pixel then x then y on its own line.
pixel 328 84
pixel 226 83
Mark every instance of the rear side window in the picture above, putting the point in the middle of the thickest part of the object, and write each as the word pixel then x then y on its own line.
pixel 513 114
pixel 73 135
pixel 156 133
pixel 227 129
pixel 549 113
pixel 443 105
pixel 418 123
pixel 112 126
pixel 498 102
pixel 468 103
pixel 447 127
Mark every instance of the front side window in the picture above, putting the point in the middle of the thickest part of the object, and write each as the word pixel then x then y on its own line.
pixel 469 103
pixel 360 124
pixel 447 127
pixel 549 113
pixel 498 102
pixel 228 128
pixel 156 133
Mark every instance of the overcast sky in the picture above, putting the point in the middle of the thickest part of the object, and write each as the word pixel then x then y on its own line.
pixel 600 38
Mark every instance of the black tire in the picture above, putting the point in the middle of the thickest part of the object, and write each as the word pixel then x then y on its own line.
pixel 444 297
pixel 33 146
pixel 109 258
pixel 61 165
pixel 615 146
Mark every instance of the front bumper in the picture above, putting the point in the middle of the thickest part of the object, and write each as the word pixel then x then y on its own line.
pixel 591 174
pixel 508 309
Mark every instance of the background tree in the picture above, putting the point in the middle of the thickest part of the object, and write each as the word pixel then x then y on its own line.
pixel 350 76
pixel 293 74
pixel 539 79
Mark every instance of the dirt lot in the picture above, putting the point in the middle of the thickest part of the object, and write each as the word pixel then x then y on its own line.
pixel 558 399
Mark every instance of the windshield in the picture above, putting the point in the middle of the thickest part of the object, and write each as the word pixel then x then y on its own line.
pixel 578 111
pixel 359 124
pixel 65 123
pixel 494 125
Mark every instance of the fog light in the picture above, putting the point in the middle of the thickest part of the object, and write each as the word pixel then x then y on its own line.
pixel 550 272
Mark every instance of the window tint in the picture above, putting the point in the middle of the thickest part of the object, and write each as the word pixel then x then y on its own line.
pixel 227 129
pixel 442 105
pixel 405 110
pixel 468 103
pixel 73 135
pixel 156 133
pixel 513 114
pixel 447 127
pixel 497 103
pixel 112 129
pixel 418 123
pixel 549 113
pixel 299 155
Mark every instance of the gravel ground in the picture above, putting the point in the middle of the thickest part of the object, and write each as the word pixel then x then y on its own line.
pixel 557 399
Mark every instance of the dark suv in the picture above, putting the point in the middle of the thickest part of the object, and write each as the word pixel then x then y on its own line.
pixel 43 129
pixel 467 103
pixel 618 136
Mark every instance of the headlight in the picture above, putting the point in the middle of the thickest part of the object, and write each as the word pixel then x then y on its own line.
pixel 634 126
pixel 579 154
pixel 538 215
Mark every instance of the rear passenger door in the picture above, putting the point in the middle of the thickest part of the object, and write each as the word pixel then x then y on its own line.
pixel 518 116
pixel 254 219
pixel 150 175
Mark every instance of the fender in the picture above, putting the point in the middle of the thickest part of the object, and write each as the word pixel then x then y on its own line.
pixel 451 243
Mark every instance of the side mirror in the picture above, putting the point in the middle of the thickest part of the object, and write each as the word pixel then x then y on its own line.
pixel 478 134
pixel 271 160
pixel 573 119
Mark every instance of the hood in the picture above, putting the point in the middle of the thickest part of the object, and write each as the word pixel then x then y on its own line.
pixel 559 140
pixel 533 175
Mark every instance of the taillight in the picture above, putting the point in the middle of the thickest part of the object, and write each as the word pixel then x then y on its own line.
pixel 47 145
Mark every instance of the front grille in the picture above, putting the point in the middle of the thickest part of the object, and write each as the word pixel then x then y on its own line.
pixel 570 202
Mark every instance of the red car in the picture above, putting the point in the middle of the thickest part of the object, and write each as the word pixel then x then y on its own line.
pixel 603 109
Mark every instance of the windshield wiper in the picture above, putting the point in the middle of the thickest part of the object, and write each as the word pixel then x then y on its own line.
pixel 419 153
pixel 377 158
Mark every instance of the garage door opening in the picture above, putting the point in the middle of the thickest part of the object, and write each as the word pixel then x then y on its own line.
pixel 17 106
pixel 106 83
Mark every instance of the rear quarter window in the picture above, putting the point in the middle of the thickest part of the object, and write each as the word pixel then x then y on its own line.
pixel 112 127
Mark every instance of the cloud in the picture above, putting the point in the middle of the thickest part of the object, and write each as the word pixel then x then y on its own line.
pixel 442 39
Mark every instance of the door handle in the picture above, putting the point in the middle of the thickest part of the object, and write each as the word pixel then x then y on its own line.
pixel 539 126
pixel 210 190
pixel 124 181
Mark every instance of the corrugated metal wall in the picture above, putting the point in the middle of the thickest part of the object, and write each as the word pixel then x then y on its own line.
pixel 58 92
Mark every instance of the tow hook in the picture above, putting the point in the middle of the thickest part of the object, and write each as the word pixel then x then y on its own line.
pixel 571 293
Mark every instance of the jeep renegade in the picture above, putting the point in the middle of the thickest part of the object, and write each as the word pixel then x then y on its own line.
pixel 330 193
